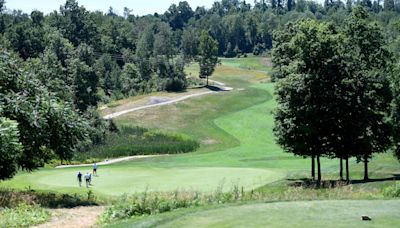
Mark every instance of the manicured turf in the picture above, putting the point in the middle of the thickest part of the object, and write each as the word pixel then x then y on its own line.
pixel 125 178
pixel 249 63
pixel 282 214
pixel 298 214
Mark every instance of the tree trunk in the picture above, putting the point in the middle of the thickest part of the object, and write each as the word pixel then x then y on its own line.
pixel 366 167
pixel 207 80
pixel 341 169
pixel 347 170
pixel 319 169
pixel 313 167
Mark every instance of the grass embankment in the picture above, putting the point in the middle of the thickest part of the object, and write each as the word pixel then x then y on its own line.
pixel 153 203
pixel 130 141
pixel 27 208
pixel 384 213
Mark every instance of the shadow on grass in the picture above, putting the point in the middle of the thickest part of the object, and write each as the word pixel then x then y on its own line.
pixel 394 178
pixel 214 88
pixel 309 183
pixel 313 184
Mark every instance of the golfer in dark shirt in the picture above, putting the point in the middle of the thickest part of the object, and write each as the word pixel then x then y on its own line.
pixel 80 179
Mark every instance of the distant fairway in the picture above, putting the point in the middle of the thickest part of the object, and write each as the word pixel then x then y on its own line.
pixel 283 214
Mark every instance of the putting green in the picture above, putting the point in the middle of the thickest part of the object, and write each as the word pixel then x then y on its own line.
pixel 285 214
pixel 115 180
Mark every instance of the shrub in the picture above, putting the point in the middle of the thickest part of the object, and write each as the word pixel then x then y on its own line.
pixel 10 198
pixel 392 191
pixel 23 216
pixel 157 202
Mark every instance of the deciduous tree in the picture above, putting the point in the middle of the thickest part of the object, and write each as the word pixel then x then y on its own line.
pixel 208 55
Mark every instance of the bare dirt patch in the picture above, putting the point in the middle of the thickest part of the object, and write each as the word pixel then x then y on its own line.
pixel 79 217
pixel 157 100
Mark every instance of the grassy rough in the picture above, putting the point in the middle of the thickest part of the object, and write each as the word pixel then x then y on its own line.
pixel 23 216
pixel 139 141
pixel 336 213
pixel 11 198
pixel 153 203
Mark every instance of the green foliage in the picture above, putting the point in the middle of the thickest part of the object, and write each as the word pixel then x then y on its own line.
pixel 11 198
pixel 304 117
pixel 179 15
pixel 131 141
pixel 86 82
pixel 190 43
pixel 372 68
pixel 48 127
pixel 132 81
pixel 150 203
pixel 208 55
pixel 27 38
pixel 76 24
pixel 395 117
pixel 172 74
pixel 114 41
pixel 392 191
pixel 388 5
pixel 23 216
pixel 334 97
pixel 10 149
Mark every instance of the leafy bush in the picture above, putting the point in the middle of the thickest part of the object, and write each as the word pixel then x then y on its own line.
pixel 392 191
pixel 10 149
pixel 194 82
pixel 23 216
pixel 129 141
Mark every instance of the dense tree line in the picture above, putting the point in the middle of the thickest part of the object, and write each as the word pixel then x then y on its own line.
pixel 114 51
pixel 335 89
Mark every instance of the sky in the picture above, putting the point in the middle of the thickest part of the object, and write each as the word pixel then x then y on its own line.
pixel 139 7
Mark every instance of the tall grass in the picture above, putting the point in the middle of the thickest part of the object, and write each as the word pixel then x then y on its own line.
pixel 131 141
pixel 10 198
pixel 23 216
pixel 149 203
